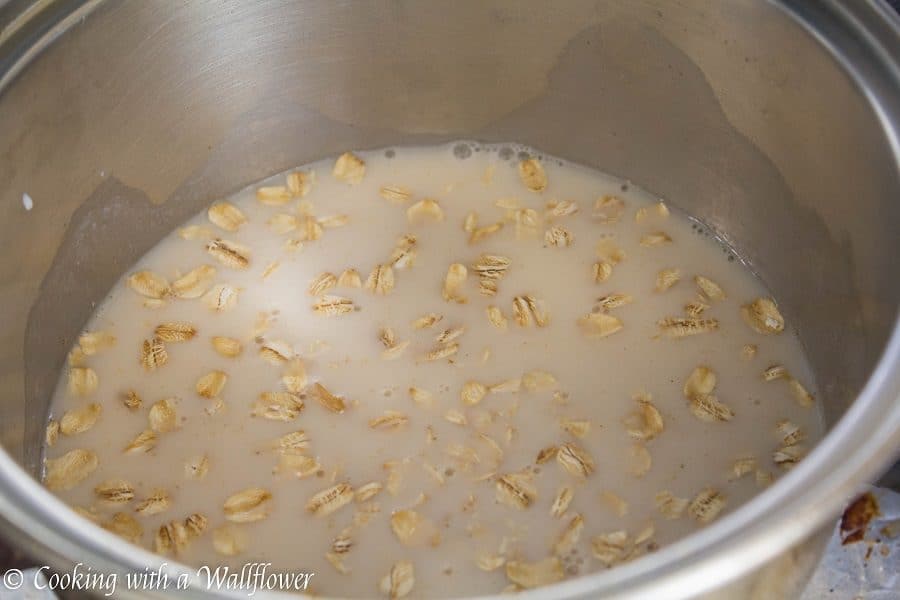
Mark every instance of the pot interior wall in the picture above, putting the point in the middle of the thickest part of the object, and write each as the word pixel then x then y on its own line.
pixel 143 113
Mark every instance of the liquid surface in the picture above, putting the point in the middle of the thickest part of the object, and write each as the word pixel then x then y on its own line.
pixel 556 438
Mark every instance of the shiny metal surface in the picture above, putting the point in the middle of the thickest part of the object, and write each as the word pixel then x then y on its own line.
pixel 777 124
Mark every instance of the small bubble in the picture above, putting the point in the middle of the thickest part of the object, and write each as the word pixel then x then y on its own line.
pixel 624 187
pixel 506 153
pixel 390 153
pixel 523 155
pixel 449 471
pixel 537 470
pixel 462 151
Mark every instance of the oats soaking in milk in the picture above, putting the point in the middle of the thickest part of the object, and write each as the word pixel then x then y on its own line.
pixel 429 372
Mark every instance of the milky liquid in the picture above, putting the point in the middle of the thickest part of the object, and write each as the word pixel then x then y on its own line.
pixel 461 518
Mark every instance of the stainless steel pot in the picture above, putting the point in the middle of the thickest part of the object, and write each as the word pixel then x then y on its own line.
pixel 776 123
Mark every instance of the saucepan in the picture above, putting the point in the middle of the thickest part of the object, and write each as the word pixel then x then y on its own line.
pixel 775 123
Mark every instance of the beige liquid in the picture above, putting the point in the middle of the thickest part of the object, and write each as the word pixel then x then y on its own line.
pixel 597 378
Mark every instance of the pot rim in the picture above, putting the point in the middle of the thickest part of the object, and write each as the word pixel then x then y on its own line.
pixel 863 38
